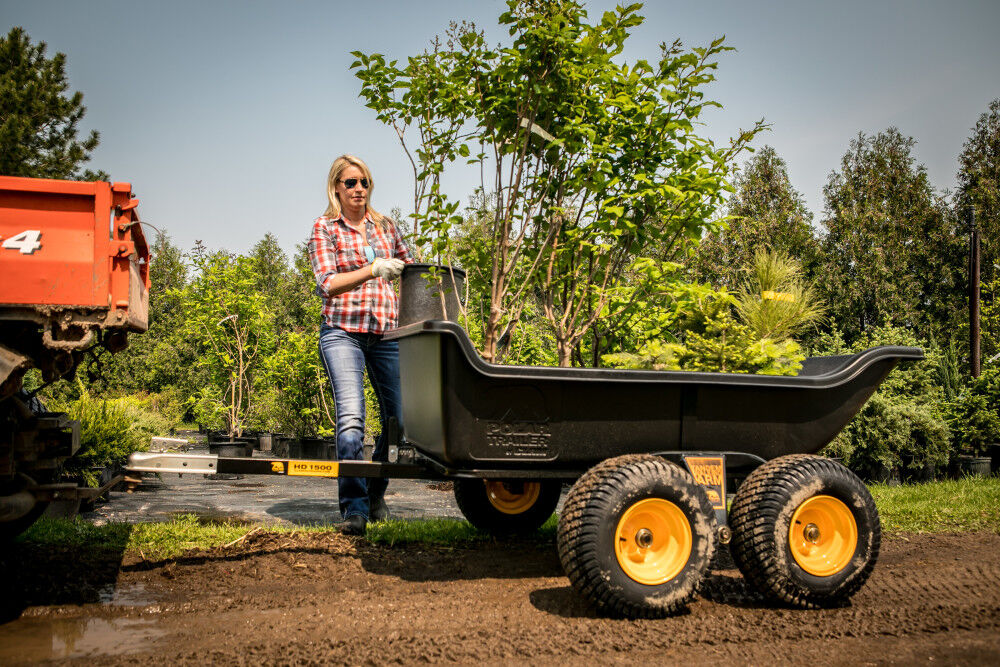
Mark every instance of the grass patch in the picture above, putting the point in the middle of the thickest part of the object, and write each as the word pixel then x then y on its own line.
pixel 970 504
pixel 441 531
pixel 172 538
pixel 77 535
pixel 152 541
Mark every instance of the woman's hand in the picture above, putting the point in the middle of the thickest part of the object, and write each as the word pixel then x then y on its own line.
pixel 389 269
pixel 339 283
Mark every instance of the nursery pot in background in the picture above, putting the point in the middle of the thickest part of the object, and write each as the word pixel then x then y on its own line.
pixel 430 292
pixel 975 466
pixel 282 445
pixel 318 449
pixel 969 466
pixel 230 448
pixel 925 472
pixel 994 452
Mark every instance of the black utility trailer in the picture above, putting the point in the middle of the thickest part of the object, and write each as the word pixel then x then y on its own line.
pixel 652 457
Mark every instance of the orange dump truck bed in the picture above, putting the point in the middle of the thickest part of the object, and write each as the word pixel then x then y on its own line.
pixel 73 262
pixel 70 244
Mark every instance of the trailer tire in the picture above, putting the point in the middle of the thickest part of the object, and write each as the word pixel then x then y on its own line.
pixel 636 536
pixel 507 507
pixel 806 531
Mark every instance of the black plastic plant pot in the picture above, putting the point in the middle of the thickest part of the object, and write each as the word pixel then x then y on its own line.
pixel 230 449
pixel 281 445
pixel 974 466
pixel 994 453
pixel 315 448
pixel 430 292
pixel 220 436
pixel 251 437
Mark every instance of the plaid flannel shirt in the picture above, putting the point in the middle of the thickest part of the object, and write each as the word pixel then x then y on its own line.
pixel 371 307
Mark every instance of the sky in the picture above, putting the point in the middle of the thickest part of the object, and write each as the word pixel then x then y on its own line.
pixel 225 116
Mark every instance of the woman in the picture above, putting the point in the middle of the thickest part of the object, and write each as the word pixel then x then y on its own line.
pixel 356 253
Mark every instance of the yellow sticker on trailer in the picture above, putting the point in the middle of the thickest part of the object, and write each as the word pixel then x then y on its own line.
pixel 314 468
pixel 710 473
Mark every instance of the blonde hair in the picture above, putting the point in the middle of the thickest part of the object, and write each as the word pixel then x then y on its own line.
pixel 336 169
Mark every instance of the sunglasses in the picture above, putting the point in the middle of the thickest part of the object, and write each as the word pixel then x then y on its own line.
pixel 349 183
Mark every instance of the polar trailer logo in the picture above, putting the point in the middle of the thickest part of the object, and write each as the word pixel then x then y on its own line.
pixel 27 242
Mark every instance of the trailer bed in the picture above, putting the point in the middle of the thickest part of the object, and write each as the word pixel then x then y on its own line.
pixel 464 412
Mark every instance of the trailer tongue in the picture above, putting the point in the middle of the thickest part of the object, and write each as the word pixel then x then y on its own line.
pixel 210 464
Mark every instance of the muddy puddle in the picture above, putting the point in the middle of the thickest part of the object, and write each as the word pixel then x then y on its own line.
pixel 119 595
pixel 34 639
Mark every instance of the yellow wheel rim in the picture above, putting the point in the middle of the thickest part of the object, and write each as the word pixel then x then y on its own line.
pixel 513 497
pixel 653 541
pixel 823 536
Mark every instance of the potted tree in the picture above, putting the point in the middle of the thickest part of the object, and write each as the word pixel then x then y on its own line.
pixel 233 326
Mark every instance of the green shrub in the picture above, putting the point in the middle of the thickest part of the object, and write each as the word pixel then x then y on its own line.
pixel 903 426
pixel 208 408
pixel 890 433
pixel 296 398
pixel 775 300
pixel 146 417
pixel 110 430
pixel 974 415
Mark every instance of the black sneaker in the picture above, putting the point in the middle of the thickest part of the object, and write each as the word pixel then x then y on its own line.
pixel 378 510
pixel 354 525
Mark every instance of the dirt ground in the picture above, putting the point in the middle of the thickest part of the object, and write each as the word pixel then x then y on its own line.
pixel 327 598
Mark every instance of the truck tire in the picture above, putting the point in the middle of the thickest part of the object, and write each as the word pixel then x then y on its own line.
pixel 806 532
pixel 507 507
pixel 636 536
pixel 11 529
pixel 10 424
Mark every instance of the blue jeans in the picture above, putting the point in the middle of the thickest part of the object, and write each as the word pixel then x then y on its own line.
pixel 345 357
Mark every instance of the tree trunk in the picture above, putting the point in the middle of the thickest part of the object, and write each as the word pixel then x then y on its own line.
pixel 565 351
pixel 491 334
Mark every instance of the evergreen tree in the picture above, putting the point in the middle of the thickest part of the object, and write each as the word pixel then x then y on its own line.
pixel 979 186
pixel 892 252
pixel 304 306
pixel 273 279
pixel 38 119
pixel 168 274
pixel 271 264
pixel 767 213
pixel 162 358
